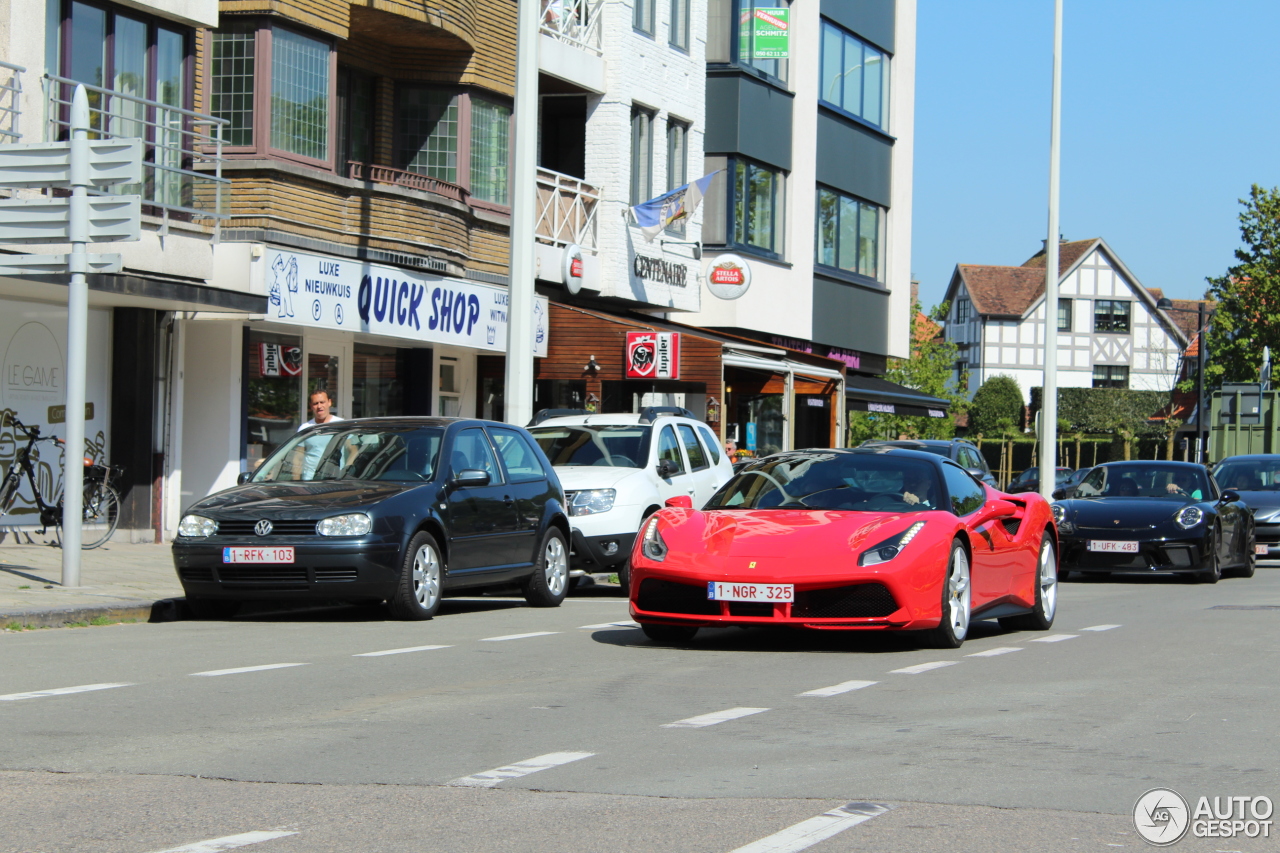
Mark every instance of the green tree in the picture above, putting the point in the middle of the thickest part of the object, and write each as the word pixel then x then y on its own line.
pixel 997 401
pixel 929 370
pixel 1248 296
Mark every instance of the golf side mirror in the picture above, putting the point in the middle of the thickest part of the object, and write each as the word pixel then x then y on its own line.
pixel 243 477
pixel 470 478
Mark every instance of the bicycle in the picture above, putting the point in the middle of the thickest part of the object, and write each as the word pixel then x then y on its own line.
pixel 101 508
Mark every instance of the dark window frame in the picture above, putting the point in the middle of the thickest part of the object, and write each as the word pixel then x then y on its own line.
pixel 1116 322
pixel 881 232
pixel 882 122
pixel 734 47
pixel 1065 314
pixel 1115 376
pixel 731 225
pixel 642 122
pixel 644 16
pixel 678 36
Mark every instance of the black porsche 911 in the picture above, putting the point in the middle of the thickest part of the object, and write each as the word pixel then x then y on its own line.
pixel 1154 517
pixel 382 509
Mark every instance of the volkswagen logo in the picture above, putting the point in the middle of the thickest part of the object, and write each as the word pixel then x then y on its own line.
pixel 262 528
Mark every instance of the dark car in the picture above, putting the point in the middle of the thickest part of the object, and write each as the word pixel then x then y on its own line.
pixel 963 453
pixel 1029 480
pixel 1154 517
pixel 1067 486
pixel 399 510
pixel 1257 479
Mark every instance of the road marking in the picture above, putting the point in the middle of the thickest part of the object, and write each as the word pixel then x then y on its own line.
pixel 837 689
pixel 1099 627
pixel 810 832
pixel 490 778
pixel 229 842
pixel 712 719
pixel 925 667
pixel 990 653
pixel 400 651
pixel 609 625
pixel 518 636
pixel 60 691
pixel 1055 638
pixel 248 669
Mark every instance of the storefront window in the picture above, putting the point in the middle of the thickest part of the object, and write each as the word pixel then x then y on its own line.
pixel 559 394
pixel 322 375
pixel 273 365
pixel 377 388
pixel 450 393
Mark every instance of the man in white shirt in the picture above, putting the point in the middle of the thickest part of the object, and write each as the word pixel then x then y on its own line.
pixel 321 413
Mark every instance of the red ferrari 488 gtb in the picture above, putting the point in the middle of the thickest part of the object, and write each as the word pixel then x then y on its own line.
pixel 866 538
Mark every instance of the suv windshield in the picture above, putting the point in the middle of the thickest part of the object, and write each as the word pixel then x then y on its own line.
pixel 357 453
pixel 866 482
pixel 611 446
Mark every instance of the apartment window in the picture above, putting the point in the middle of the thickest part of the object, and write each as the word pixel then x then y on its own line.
pixel 231 82
pixel 1111 316
pixel 641 155
pixel 299 95
pixel 850 234
pixel 1064 315
pixel 677 164
pixel 854 76
pixel 962 311
pixel 356 93
pixel 490 146
pixel 642 15
pixel 757 204
pixel 731 36
pixel 678 31
pixel 427 132
pixel 1110 376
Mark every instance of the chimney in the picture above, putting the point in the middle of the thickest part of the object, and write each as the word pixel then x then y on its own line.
pixel 915 291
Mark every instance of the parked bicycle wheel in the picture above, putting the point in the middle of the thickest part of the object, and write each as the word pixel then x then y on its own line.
pixel 101 510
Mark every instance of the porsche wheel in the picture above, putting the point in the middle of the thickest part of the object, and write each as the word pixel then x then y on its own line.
pixel 1250 558
pixel 668 634
pixel 1213 573
pixel 956 593
pixel 417 594
pixel 1046 597
pixel 549 583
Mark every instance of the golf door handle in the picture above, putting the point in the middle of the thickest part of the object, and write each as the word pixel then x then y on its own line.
pixel 508 500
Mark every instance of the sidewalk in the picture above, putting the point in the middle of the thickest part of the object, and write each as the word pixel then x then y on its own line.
pixel 118 581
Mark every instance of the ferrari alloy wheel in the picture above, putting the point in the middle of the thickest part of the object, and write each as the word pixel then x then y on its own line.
pixel 669 634
pixel 417 595
pixel 549 583
pixel 956 593
pixel 1213 573
pixel 1046 592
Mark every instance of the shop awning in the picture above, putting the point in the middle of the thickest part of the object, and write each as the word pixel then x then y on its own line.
pixel 752 361
pixel 872 394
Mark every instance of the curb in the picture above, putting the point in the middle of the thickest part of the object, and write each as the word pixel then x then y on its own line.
pixel 164 610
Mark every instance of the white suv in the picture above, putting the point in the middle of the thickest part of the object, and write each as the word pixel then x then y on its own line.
pixel 618 469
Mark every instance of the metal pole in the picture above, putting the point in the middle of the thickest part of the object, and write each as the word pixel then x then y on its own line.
pixel 1202 416
pixel 77 345
pixel 1049 405
pixel 518 393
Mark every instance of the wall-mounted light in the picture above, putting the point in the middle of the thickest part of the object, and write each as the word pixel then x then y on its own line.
pixel 696 244
pixel 591 364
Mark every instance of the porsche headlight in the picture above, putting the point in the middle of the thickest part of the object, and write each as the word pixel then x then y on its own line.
pixel 1058 513
pixel 352 524
pixel 891 547
pixel 591 501
pixel 652 545
pixel 1189 516
pixel 197 526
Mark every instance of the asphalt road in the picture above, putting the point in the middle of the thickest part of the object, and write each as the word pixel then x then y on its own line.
pixel 497 727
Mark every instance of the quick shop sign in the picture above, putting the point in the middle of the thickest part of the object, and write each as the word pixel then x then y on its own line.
pixel 345 294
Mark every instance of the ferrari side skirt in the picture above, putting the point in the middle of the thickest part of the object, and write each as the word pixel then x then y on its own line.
pixel 998 610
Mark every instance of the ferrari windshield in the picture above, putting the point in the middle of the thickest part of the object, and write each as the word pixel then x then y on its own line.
pixel 1249 475
pixel 611 445
pixel 868 482
pixel 1145 480
pixel 355 453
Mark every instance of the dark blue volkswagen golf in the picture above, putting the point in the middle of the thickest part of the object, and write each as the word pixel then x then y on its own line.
pixel 382 509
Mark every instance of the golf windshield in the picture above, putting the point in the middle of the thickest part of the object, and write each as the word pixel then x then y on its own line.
pixel 354 453
pixel 610 446
pixel 839 481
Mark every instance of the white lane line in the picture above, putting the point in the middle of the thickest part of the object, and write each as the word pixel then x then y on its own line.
pixel 712 719
pixel 609 625
pixel 837 689
pixel 229 842
pixel 1055 638
pixel 1099 627
pixel 60 691
pixel 925 667
pixel 400 651
pixel 490 778
pixel 240 669
pixel 810 832
pixel 990 653
pixel 517 636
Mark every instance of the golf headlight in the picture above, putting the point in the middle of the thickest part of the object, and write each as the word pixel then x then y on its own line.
pixel 197 526
pixel 891 547
pixel 1189 516
pixel 353 524
pixel 652 545
pixel 591 501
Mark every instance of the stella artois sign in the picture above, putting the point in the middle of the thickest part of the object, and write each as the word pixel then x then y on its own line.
pixel 728 276
pixel 653 355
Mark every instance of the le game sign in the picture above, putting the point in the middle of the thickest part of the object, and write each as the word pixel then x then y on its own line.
pixel 653 355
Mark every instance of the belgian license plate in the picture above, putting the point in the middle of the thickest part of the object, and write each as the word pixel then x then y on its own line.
pixel 257 555
pixel 762 592
pixel 1261 550
pixel 1112 545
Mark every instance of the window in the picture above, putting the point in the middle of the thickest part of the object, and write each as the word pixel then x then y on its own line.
pixel 522 463
pixel 427 132
pixel 855 76
pixel 641 155
pixel 490 145
pixel 678 32
pixel 967 494
pixel 756 53
pixel 962 310
pixel 668 450
pixel 1111 316
pixel 756 205
pixel 356 95
pixel 713 446
pixel 1064 315
pixel 1110 376
pixel 642 16
pixel 677 165
pixel 692 449
pixel 850 234
pixel 299 95
pixel 231 81
pixel 471 451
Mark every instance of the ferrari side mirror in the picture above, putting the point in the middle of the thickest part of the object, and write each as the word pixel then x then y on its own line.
pixel 681 501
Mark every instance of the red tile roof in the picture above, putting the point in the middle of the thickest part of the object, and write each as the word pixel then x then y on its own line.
pixel 1068 254
pixel 1002 291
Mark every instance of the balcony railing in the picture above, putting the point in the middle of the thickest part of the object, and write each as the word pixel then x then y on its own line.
pixel 575 22
pixel 401 178
pixel 566 211
pixel 181 153
pixel 10 101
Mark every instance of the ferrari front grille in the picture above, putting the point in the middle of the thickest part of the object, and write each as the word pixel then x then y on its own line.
pixel 861 600
pixel 750 608
pixel 661 596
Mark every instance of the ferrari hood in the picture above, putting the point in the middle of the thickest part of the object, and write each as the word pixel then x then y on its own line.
pixel 775 533
pixel 285 498
pixel 1117 513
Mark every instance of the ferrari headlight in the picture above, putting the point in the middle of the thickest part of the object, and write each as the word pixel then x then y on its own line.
pixel 891 547
pixel 591 501
pixel 197 526
pixel 352 524
pixel 1189 516
pixel 652 545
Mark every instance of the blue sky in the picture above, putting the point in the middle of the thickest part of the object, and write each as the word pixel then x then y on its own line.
pixel 1168 116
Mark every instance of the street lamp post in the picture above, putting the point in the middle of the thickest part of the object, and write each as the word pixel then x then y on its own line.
pixel 1202 432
